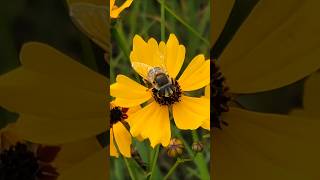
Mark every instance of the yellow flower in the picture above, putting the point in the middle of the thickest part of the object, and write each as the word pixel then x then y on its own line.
pixel 92 18
pixel 163 59
pixel 267 52
pixel 59 101
pixel 115 10
pixel 206 123
pixel 118 131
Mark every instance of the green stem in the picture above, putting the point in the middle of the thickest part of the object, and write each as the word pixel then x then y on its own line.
pixel 196 33
pixel 129 168
pixel 163 20
pixel 154 161
pixel 173 168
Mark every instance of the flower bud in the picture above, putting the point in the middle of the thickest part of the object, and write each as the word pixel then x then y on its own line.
pixel 175 147
pixel 197 146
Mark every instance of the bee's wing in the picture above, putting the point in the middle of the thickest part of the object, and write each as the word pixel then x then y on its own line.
pixel 93 20
pixel 142 69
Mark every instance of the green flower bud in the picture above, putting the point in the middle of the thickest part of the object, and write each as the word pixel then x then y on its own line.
pixel 197 146
pixel 175 147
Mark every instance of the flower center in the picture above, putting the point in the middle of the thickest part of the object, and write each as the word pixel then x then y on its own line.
pixel 118 114
pixel 219 95
pixel 18 162
pixel 168 94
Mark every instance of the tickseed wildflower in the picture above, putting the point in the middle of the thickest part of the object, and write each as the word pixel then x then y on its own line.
pixel 119 130
pixel 115 10
pixel 159 65
pixel 267 52
pixel 20 159
pixel 68 105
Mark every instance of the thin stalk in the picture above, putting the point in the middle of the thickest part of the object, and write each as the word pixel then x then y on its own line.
pixel 173 168
pixel 163 20
pixel 129 169
pixel 196 33
pixel 154 162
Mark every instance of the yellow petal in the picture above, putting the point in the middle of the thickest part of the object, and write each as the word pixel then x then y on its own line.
pixel 196 75
pixel 122 138
pixel 272 50
pixel 94 167
pixel 152 122
pixel 276 146
pixel 311 98
pixel 114 12
pixel 93 20
pixel 128 92
pixel 48 61
pixel 8 137
pixel 207 92
pixel 220 10
pixel 206 124
pixel 113 148
pixel 175 55
pixel 29 92
pixel 190 112
pixel 53 131
pixel 75 152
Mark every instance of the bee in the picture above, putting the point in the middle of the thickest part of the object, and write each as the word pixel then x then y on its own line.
pixel 157 78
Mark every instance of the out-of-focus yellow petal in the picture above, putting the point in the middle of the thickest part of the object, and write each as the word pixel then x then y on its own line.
pixel 128 92
pixel 311 99
pixel 53 131
pixel 28 92
pixel 196 75
pixel 122 138
pixel 175 55
pixel 271 50
pixel 220 10
pixel 115 11
pixel 191 112
pixel 94 167
pixel 8 137
pixel 93 20
pixel 152 122
pixel 49 62
pixel 74 152
pixel 113 148
pixel 276 146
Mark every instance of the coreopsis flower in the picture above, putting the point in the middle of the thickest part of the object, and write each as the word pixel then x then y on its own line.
pixel 59 101
pixel 119 130
pixel 266 52
pixel 159 65
pixel 115 10
pixel 20 159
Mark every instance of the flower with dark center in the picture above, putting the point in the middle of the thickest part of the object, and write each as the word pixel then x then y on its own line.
pixel 159 64
pixel 120 138
pixel 220 98
pixel 19 162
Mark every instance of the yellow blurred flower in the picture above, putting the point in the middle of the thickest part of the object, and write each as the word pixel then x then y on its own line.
pixel 267 52
pixel 59 101
pixel 159 64
pixel 115 10
pixel 22 159
pixel 92 18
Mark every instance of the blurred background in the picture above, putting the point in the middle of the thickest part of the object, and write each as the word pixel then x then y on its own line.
pixel 47 21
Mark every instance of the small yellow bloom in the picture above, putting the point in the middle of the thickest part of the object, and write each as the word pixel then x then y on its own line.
pixel 162 62
pixel 119 133
pixel 115 10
